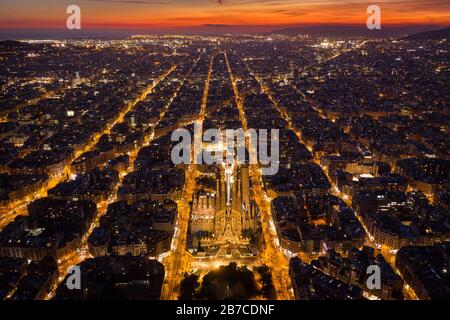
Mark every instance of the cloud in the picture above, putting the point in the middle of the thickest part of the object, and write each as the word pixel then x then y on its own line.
pixel 134 1
pixel 218 25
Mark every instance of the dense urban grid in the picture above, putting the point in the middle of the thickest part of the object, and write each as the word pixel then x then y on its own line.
pixel 87 175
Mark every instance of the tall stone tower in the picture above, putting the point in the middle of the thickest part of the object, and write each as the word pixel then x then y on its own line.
pixel 234 210
pixel 203 212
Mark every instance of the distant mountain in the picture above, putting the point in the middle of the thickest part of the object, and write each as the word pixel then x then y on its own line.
pixel 354 31
pixel 431 35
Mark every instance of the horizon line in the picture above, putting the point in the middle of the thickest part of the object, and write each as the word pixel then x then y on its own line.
pixel 220 26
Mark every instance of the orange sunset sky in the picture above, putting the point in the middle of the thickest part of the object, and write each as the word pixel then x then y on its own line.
pixel 16 14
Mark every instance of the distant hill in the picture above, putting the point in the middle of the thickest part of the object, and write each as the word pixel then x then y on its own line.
pixel 431 35
pixel 11 45
pixel 354 31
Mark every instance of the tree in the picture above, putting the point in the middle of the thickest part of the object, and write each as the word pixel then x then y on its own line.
pixel 268 290
pixel 188 286
pixel 229 282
